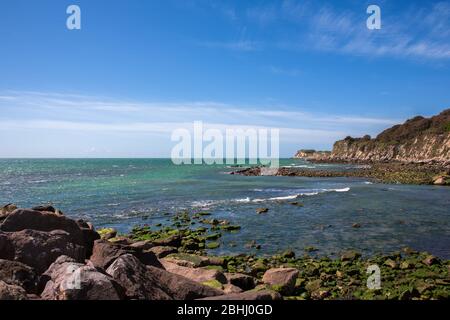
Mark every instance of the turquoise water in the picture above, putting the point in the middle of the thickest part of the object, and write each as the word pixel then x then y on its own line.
pixel 126 192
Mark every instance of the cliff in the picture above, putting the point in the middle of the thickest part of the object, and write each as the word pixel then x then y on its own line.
pixel 312 154
pixel 417 140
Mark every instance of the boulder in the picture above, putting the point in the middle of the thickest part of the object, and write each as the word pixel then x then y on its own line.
pixel 229 289
pixel 391 263
pixel 11 292
pixel 7 209
pixel 39 249
pixel 195 274
pixel 442 180
pixel 262 210
pixel 181 288
pixel 283 279
pixel 104 253
pixel 171 241
pixel 188 260
pixel 89 235
pixel 313 285
pixel 240 280
pixel 289 254
pixel 47 208
pixel 19 274
pixel 6 247
pixel 143 245
pixel 163 251
pixel 150 283
pixel 249 295
pixel 430 260
pixel 107 233
pixel 138 281
pixel 68 280
pixel 350 255
pixel 121 240
pixel 22 219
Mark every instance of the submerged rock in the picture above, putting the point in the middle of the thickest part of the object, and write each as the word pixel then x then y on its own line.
pixel 212 245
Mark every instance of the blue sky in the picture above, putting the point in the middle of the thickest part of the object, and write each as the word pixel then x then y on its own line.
pixel 139 69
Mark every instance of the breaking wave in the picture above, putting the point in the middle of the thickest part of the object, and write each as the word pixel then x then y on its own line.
pixel 207 203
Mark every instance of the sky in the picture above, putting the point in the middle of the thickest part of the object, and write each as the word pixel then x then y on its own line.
pixel 137 70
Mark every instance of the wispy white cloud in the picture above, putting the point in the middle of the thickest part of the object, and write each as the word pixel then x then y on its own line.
pixel 64 107
pixel 413 32
pixel 157 127
pixel 241 45
pixel 57 124
pixel 263 14
pixel 405 35
pixel 292 72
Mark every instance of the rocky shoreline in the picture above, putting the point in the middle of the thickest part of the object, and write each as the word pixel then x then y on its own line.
pixel 418 140
pixel 415 152
pixel 384 172
pixel 45 255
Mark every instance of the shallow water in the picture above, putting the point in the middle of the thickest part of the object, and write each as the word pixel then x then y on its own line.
pixel 126 192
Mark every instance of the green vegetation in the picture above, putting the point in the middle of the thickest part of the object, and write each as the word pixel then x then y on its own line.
pixel 447 127
pixel 213 284
pixel 212 245
pixel 404 275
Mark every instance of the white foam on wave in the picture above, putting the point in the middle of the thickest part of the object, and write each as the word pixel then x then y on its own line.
pixel 39 181
pixel 268 190
pixel 208 203
pixel 284 198
pixel 342 190
pixel 304 166
pixel 113 204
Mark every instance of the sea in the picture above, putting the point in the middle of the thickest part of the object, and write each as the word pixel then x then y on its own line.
pixel 124 193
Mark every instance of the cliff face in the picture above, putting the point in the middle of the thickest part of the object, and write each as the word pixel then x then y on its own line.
pixel 427 147
pixel 417 140
pixel 312 154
